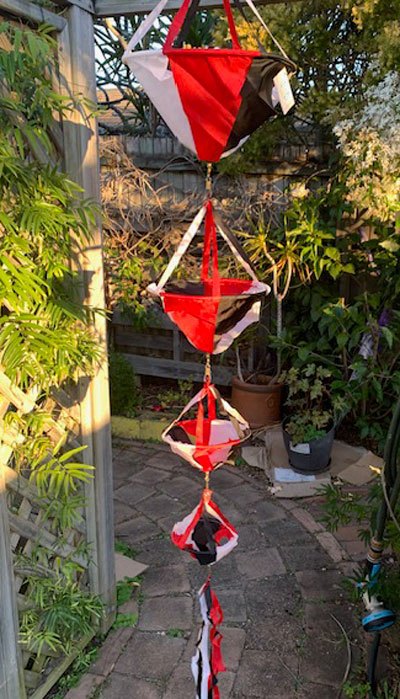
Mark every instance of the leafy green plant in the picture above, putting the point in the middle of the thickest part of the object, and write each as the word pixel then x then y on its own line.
pixel 46 341
pixel 341 507
pixel 125 588
pixel 124 391
pixel 123 621
pixel 175 633
pixel 124 548
pixel 312 403
pixel 75 672
pixel 61 611
pixel 175 398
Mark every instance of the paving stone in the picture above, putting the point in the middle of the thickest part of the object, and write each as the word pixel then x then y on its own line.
pixel 159 553
pixel 225 574
pixel 159 506
pixel 266 511
pixel 149 476
pixel 236 515
pixel 262 675
pixel 167 523
pixel 307 520
pixel 324 657
pixel 356 549
pixel 260 564
pixel 320 585
pixel 272 597
pixel 331 546
pixel 232 645
pixel 347 533
pixel 244 495
pixel 305 557
pixel 285 531
pixel 226 681
pixel 122 511
pixel 283 635
pixel 86 687
pixel 129 607
pixel 164 581
pixel 136 530
pixel 287 504
pixel 221 479
pixel 132 493
pixel 126 567
pixel 323 662
pixel 184 489
pixel 150 655
pixel 251 537
pixel 110 651
pixel 316 691
pixel 122 686
pixel 181 684
pixel 164 613
pixel 233 604
pixel 164 460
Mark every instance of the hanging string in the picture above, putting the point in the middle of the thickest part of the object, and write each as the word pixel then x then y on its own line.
pixel 209 180
pixel 207 369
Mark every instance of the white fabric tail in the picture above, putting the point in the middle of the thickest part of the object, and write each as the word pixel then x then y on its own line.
pixel 180 251
pixel 267 29
pixel 143 28
pixel 250 271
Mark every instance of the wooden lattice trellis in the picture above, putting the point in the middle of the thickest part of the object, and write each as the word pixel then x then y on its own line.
pixel 28 524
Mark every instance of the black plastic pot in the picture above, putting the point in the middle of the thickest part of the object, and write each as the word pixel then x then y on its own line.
pixel 311 457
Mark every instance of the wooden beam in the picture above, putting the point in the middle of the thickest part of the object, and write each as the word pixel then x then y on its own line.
pixel 11 669
pixel 115 8
pixel 82 161
pixel 34 13
pixel 87 5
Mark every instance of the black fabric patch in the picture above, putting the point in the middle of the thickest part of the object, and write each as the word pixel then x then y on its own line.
pixel 256 106
pixel 231 310
pixel 203 537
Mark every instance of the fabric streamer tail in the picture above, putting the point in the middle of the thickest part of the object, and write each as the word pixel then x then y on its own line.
pixel 207 662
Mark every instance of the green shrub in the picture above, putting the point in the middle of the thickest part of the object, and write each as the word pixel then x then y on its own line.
pixel 124 392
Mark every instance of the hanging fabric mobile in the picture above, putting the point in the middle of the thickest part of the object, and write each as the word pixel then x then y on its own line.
pixel 207 440
pixel 211 99
pixel 207 662
pixel 213 311
pixel 205 533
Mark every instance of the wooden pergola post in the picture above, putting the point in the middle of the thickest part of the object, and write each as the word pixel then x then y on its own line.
pixel 12 685
pixel 81 148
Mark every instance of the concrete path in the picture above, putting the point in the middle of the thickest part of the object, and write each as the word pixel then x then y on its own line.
pixel 280 590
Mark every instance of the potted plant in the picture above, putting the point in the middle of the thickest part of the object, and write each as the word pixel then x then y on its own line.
pixel 309 426
pixel 258 396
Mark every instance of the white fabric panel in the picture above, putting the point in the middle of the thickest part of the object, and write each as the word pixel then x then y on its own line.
pixel 179 252
pixel 202 649
pixel 144 27
pixel 180 527
pixel 151 70
pixel 252 316
pixel 232 150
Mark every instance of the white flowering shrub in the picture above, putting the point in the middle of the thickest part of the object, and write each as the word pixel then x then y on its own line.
pixel 370 143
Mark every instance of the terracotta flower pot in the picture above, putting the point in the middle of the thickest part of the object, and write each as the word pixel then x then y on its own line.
pixel 258 403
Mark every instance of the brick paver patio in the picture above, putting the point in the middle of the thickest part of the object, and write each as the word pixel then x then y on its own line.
pixel 280 590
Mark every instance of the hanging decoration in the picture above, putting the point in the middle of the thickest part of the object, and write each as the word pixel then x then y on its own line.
pixel 206 533
pixel 212 311
pixel 207 662
pixel 211 99
pixel 207 441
